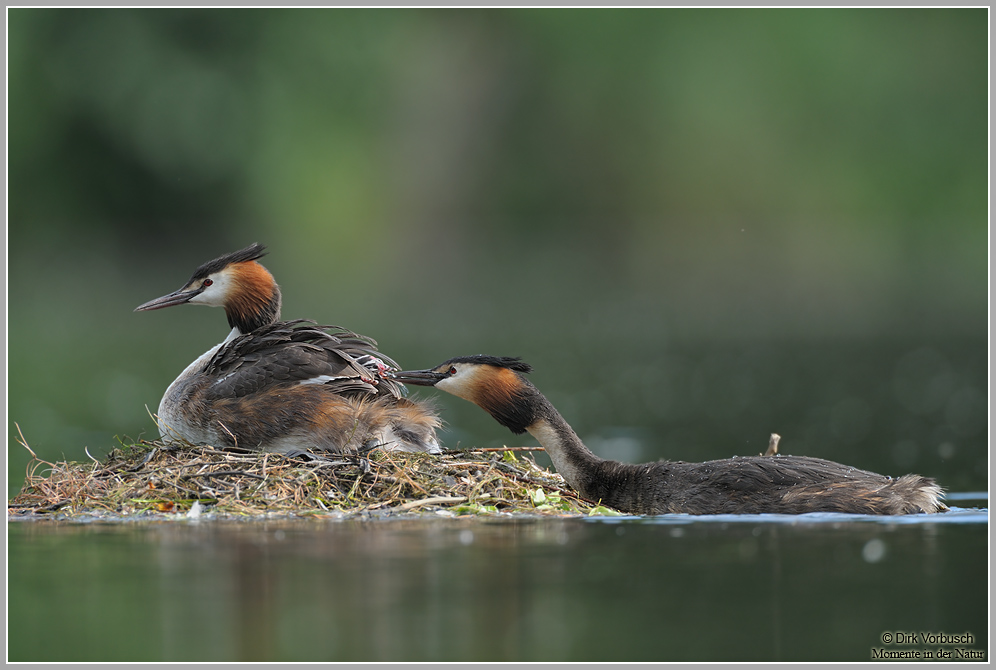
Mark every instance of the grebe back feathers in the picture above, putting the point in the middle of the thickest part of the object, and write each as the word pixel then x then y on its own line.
pixel 284 386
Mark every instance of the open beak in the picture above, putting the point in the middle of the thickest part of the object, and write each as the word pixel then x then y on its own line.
pixel 174 298
pixel 418 377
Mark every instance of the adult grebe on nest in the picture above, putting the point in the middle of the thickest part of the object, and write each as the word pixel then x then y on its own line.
pixel 284 386
pixel 741 485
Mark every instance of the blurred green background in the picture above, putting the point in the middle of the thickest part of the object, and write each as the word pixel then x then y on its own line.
pixel 701 226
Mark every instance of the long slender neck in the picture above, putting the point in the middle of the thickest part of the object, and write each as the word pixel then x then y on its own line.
pixel 573 460
pixel 256 303
pixel 515 403
pixel 625 486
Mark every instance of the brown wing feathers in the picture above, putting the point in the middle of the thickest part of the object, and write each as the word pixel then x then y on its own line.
pixel 300 351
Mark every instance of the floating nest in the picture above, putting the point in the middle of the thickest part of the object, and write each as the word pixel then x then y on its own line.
pixel 150 479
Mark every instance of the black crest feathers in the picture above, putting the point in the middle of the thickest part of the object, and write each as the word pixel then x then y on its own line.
pixel 512 363
pixel 253 252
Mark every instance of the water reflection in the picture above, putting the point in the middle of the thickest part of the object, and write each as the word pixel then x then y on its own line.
pixel 442 589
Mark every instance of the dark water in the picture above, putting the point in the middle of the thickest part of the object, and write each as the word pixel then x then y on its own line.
pixel 670 588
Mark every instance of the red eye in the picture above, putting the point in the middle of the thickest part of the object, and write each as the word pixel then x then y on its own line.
pixel 451 371
pixel 207 282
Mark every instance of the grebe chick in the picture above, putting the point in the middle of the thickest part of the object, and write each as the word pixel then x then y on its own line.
pixel 742 485
pixel 283 386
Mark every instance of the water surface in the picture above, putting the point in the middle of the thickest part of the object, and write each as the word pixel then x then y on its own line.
pixel 433 588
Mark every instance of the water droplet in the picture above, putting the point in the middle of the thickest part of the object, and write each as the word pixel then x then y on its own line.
pixel 873 551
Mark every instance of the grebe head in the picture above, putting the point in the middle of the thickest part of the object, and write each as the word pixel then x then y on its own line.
pixel 235 281
pixel 493 383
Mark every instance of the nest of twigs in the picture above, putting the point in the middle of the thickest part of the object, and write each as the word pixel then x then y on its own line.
pixel 152 479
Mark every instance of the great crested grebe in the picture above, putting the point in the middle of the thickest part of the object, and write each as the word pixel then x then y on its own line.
pixel 284 386
pixel 741 485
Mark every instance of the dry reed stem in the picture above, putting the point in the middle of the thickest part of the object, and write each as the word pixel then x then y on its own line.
pixel 150 477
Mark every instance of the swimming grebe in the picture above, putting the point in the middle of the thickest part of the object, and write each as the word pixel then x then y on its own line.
pixel 283 386
pixel 742 485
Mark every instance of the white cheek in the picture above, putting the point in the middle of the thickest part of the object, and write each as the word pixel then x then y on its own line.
pixel 215 294
pixel 459 384
pixel 447 384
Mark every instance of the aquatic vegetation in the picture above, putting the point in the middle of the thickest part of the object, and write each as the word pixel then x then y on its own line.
pixel 151 478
